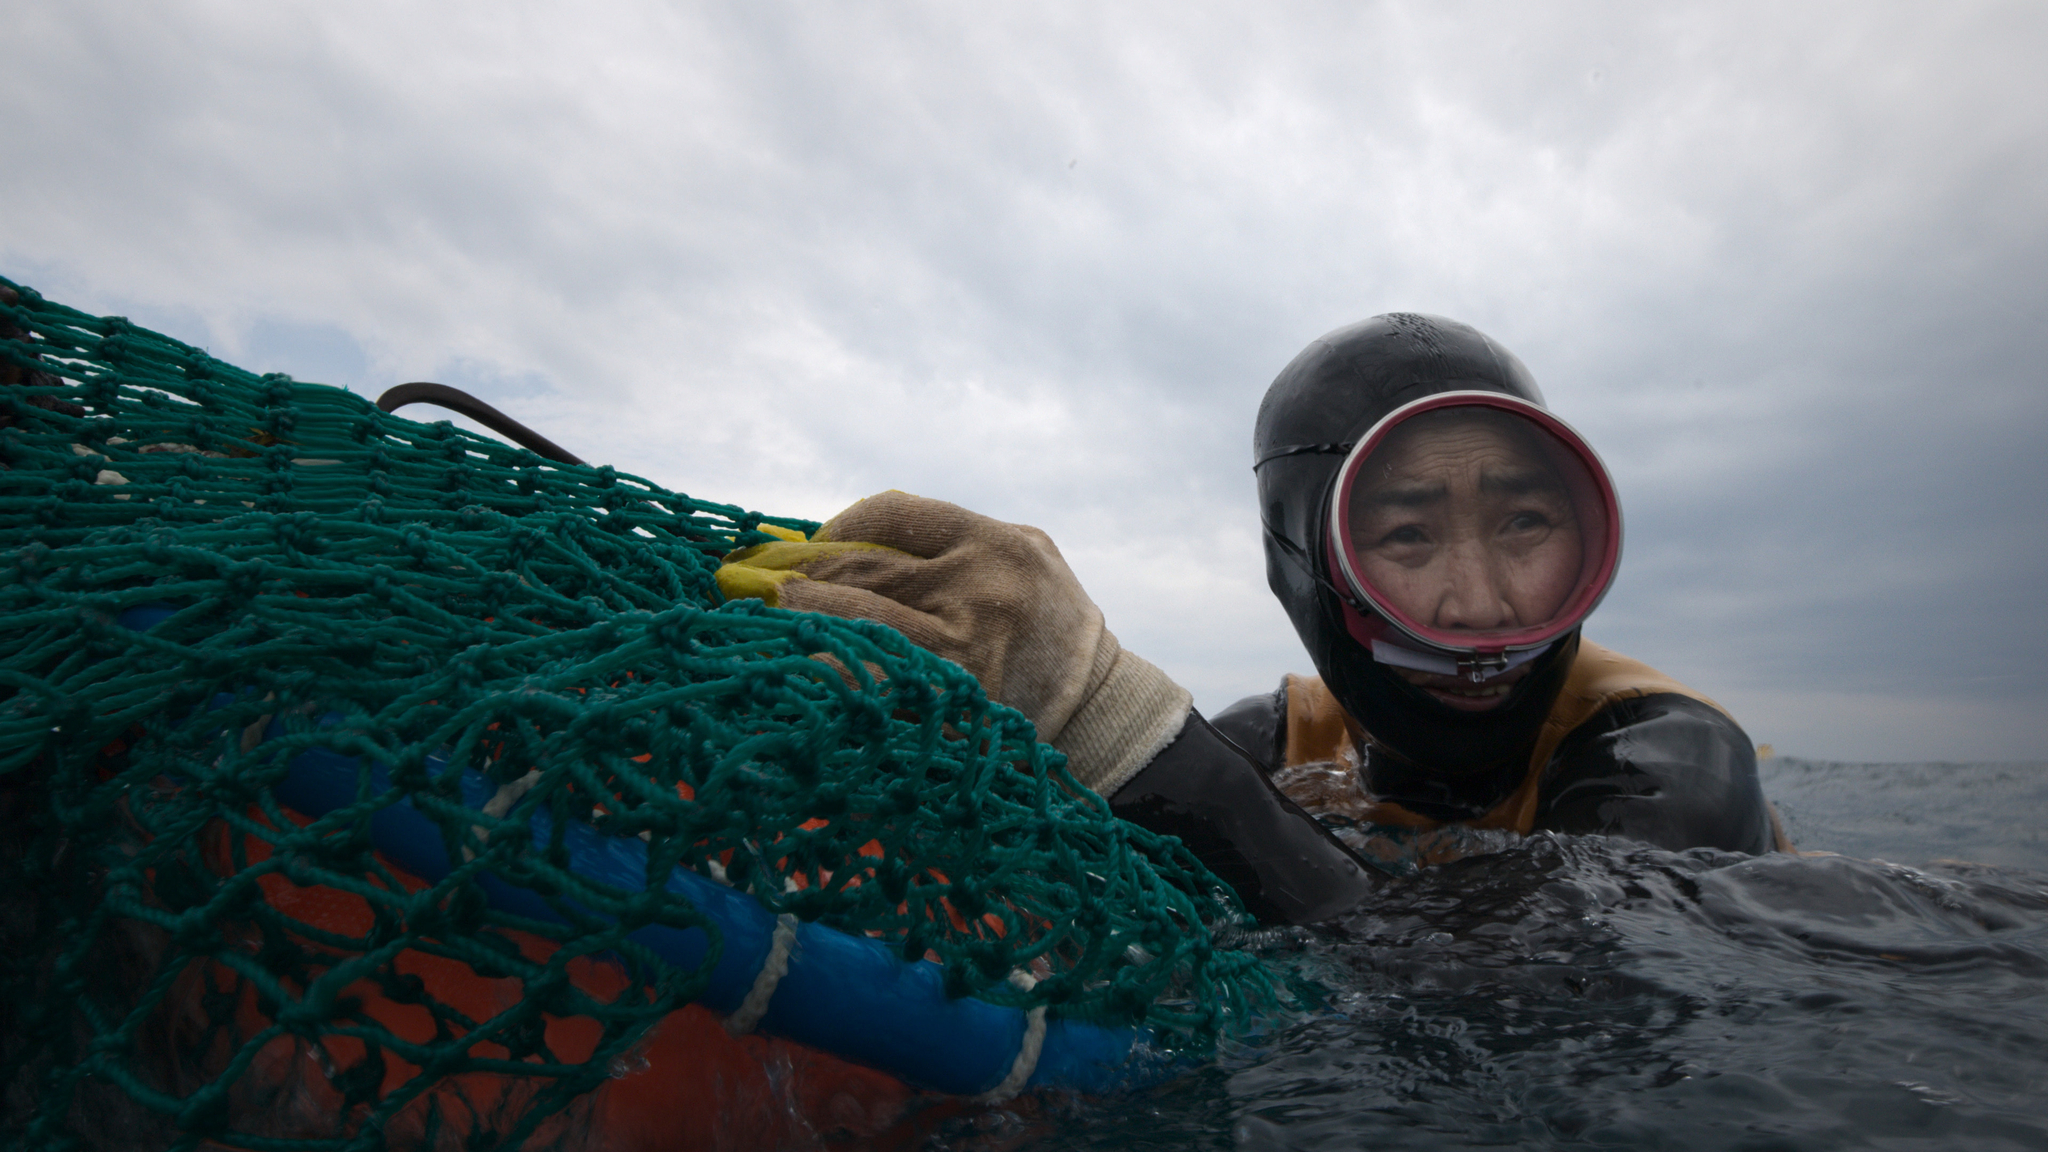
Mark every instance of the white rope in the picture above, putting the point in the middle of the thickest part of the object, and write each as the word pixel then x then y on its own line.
pixel 500 803
pixel 507 795
pixel 1027 1052
pixel 773 969
pixel 252 736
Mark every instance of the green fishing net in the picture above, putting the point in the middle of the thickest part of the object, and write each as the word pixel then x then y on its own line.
pixel 420 598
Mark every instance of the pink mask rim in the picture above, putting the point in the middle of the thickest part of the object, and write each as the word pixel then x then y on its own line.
pixel 1369 619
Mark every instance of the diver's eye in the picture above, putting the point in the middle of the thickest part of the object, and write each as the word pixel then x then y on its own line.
pixel 1405 535
pixel 1528 522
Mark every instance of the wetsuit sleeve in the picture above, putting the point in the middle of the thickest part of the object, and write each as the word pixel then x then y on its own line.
pixel 1284 865
pixel 1257 724
pixel 1665 769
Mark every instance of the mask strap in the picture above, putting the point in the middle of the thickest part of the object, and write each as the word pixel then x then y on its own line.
pixel 1303 450
pixel 1295 553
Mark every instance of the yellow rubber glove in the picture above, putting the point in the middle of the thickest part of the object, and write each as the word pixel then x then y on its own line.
pixel 996 599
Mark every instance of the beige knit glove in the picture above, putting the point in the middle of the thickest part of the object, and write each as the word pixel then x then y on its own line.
pixel 994 598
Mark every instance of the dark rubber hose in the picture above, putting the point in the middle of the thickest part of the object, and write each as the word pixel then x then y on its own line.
pixel 456 400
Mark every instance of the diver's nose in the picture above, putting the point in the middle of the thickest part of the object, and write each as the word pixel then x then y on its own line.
pixel 1474 595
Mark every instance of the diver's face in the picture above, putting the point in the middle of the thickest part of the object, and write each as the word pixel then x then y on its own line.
pixel 1463 525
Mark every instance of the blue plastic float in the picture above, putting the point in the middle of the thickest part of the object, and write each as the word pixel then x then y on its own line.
pixel 847 995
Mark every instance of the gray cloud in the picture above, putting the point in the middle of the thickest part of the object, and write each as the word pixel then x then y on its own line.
pixel 1779 262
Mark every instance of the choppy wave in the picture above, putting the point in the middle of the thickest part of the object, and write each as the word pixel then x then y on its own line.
pixel 1592 993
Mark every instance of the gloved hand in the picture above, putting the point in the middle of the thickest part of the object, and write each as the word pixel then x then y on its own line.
pixel 994 598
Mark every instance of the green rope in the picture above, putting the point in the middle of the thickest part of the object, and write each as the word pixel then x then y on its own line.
pixel 444 594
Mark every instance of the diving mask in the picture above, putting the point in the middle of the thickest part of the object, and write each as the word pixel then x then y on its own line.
pixel 1469 531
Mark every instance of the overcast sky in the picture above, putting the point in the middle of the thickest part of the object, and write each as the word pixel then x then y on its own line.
pixel 1782 263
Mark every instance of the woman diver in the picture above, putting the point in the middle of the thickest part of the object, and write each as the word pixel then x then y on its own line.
pixel 1438 538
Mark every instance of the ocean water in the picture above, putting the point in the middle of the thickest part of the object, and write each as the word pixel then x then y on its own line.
pixel 1590 993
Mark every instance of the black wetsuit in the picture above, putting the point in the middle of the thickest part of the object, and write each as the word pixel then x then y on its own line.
pixel 1665 768
pixel 1285 866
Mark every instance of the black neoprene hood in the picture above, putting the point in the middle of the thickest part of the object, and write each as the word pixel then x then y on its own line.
pixel 1315 411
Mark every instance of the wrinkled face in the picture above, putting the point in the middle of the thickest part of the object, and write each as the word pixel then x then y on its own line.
pixel 1461 521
